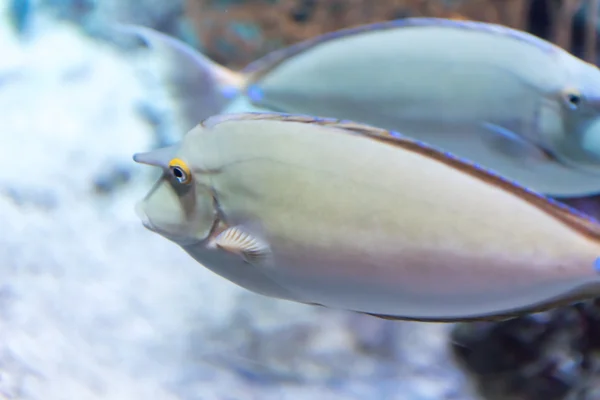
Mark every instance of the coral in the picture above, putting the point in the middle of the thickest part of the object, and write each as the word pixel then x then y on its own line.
pixel 237 32
pixel 550 356
pixel 288 21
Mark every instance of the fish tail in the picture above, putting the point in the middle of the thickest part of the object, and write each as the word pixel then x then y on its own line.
pixel 199 86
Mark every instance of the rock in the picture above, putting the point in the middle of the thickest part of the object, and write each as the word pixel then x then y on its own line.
pixel 551 355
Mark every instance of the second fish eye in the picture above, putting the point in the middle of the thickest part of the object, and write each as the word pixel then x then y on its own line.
pixel 573 99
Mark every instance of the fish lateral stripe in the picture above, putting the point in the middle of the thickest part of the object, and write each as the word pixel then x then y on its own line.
pixel 556 209
pixel 262 66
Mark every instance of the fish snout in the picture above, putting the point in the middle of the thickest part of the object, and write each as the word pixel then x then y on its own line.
pixel 141 213
pixel 590 140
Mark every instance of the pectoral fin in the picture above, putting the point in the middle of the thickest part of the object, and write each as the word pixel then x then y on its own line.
pixel 520 160
pixel 237 240
pixel 512 145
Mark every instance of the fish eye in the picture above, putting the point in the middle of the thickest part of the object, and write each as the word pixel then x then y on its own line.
pixel 180 171
pixel 573 99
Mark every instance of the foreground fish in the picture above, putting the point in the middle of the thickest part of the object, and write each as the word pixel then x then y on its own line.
pixel 497 96
pixel 353 217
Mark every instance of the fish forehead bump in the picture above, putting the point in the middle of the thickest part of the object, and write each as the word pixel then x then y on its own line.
pixel 157 158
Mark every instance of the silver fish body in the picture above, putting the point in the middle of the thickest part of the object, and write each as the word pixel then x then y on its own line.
pixel 497 96
pixel 357 218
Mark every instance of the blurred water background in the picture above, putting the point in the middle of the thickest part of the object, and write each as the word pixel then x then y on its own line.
pixel 93 306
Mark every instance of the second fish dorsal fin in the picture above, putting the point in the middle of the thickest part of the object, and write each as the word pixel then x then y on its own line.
pixel 264 65
pixel 568 215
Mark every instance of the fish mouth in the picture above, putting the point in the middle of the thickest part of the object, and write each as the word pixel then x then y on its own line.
pixel 147 223
pixel 139 210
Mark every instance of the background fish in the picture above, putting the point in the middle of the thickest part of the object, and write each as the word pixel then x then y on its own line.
pixel 201 86
pixel 354 217
pixel 500 97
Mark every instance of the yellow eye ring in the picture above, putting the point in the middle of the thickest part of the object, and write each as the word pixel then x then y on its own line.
pixel 180 171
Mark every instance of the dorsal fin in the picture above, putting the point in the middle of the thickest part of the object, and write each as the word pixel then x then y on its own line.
pixel 262 66
pixel 568 215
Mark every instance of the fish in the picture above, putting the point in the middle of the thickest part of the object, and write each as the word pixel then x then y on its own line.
pixel 202 87
pixel 353 217
pixel 500 97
